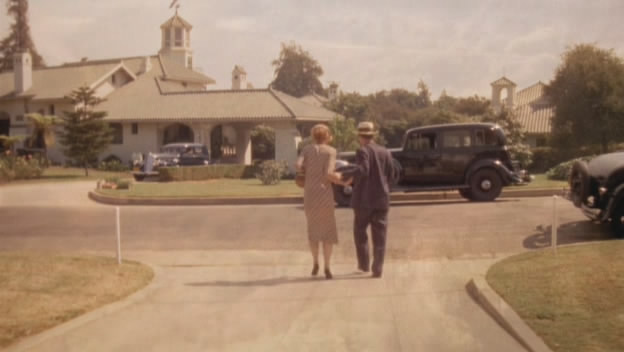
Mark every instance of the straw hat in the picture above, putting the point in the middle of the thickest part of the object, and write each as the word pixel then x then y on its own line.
pixel 366 129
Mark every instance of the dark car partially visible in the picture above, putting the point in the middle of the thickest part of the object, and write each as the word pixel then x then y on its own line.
pixel 597 188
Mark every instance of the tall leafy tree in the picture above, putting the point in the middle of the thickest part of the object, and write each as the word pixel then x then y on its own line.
pixel 344 133
pixel 588 95
pixel 297 72
pixel 19 38
pixel 86 135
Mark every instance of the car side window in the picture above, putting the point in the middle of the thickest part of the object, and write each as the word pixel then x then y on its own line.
pixel 485 137
pixel 457 139
pixel 422 141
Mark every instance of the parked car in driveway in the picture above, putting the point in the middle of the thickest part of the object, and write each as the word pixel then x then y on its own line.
pixel 471 158
pixel 175 154
pixel 597 188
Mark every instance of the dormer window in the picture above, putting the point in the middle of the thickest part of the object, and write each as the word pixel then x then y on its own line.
pixel 114 79
pixel 178 37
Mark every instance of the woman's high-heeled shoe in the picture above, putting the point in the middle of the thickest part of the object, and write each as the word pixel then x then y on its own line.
pixel 328 274
pixel 315 270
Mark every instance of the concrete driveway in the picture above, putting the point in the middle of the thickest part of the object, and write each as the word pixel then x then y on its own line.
pixel 237 278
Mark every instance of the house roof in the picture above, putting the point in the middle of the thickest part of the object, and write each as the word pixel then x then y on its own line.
pixel 503 81
pixel 177 72
pixel 239 69
pixel 314 99
pixel 534 110
pixel 176 21
pixel 151 99
pixel 59 81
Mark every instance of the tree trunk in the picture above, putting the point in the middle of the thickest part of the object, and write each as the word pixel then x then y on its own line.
pixel 86 167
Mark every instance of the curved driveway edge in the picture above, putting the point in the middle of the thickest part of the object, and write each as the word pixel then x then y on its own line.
pixel 504 315
pixel 40 338
pixel 397 197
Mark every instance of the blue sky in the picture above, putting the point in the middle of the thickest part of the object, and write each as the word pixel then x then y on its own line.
pixel 364 45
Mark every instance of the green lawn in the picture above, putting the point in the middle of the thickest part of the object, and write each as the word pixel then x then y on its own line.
pixel 40 290
pixel 574 300
pixel 64 174
pixel 242 188
pixel 541 181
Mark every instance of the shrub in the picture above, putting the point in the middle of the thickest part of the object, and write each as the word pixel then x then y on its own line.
pixel 19 168
pixel 200 173
pixel 113 166
pixel 562 171
pixel 271 172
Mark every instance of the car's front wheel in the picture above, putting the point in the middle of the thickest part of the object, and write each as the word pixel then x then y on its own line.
pixel 342 195
pixel 485 185
pixel 617 220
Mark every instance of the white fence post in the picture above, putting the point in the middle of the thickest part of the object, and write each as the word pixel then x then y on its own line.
pixel 118 236
pixel 555 225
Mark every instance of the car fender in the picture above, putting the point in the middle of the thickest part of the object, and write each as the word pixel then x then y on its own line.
pixel 614 202
pixel 505 174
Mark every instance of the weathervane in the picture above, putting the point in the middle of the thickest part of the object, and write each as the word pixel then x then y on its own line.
pixel 175 3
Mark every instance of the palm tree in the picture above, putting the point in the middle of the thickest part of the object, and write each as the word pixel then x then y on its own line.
pixel 43 133
pixel 9 142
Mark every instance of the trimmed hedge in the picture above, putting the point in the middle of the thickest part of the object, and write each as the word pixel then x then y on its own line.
pixel 210 172
pixel 562 171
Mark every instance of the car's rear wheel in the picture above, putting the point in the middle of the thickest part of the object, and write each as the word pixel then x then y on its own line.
pixel 617 220
pixel 465 193
pixel 342 195
pixel 579 183
pixel 485 185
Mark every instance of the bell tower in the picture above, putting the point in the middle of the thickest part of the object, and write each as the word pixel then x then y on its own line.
pixel 176 41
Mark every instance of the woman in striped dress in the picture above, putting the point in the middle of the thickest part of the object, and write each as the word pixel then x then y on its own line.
pixel 317 162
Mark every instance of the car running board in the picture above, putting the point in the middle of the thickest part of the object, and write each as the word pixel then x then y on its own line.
pixel 407 189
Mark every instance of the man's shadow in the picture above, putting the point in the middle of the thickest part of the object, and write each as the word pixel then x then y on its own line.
pixel 283 280
pixel 569 233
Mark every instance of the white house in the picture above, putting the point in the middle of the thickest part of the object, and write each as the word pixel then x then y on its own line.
pixel 159 99
pixel 530 106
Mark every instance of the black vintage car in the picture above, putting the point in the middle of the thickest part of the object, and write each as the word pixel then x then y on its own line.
pixel 171 155
pixel 471 158
pixel 597 188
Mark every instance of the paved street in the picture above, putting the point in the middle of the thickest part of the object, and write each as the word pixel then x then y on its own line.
pixel 236 278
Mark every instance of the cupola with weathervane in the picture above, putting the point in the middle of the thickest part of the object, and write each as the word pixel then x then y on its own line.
pixel 176 40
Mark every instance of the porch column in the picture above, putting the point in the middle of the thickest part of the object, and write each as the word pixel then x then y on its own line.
pixel 287 139
pixel 243 144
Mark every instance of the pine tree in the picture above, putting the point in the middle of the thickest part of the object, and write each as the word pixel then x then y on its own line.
pixel 19 39
pixel 85 134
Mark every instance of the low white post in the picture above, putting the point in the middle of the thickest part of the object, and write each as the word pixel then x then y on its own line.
pixel 555 225
pixel 118 236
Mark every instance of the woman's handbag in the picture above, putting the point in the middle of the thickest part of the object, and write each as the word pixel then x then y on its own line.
pixel 300 179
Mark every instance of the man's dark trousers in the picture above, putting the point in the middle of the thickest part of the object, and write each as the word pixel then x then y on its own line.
pixel 378 221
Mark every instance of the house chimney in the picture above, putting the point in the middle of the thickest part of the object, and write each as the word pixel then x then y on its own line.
pixel 22 72
pixel 146 65
pixel 333 91
pixel 239 78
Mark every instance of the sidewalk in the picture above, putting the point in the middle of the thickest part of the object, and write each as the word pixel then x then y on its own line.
pixel 266 301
